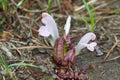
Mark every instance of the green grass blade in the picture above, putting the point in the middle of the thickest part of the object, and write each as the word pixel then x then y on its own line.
pixel 83 19
pixel 23 64
pixel 58 3
pixel 5 66
pixel 18 5
pixel 4 4
pixel 92 27
pixel 49 5
pixel 2 21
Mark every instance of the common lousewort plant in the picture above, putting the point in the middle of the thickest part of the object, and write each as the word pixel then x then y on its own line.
pixel 64 53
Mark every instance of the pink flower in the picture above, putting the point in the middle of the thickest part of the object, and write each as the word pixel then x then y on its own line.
pixel 43 31
pixel 90 46
pixel 84 42
pixel 50 27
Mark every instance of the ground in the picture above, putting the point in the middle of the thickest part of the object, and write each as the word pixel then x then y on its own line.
pixel 20 42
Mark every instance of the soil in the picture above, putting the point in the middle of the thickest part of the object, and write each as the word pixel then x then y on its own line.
pixel 105 70
pixel 20 30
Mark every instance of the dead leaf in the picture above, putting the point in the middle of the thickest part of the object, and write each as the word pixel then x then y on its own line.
pixel 5 35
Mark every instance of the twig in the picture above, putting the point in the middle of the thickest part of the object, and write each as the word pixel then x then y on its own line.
pixel 103 5
pixel 25 17
pixel 32 47
pixel 115 58
pixel 101 74
pixel 81 7
pixel 115 44
pixel 23 43
pixel 31 11
pixel 19 21
pixel 8 53
pixel 16 49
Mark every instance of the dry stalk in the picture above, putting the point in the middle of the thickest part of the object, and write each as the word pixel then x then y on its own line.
pixel 32 47
pixel 115 44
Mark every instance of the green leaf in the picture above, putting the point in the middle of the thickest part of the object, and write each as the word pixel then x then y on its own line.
pixel 2 21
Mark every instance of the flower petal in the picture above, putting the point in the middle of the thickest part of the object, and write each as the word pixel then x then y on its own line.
pixel 91 46
pixel 70 55
pixel 84 40
pixel 43 31
pixel 84 44
pixel 87 37
pixel 50 28
pixel 51 25
pixel 67 25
